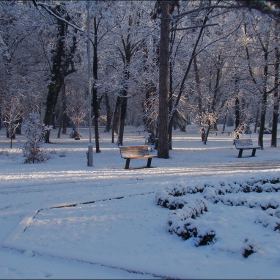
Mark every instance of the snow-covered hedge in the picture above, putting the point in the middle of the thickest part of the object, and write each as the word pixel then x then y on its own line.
pixel 186 208
pixel 183 222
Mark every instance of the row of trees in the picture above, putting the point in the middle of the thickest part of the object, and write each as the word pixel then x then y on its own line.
pixel 161 64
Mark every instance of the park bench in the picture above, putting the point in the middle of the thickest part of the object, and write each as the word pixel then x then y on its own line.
pixel 245 144
pixel 136 152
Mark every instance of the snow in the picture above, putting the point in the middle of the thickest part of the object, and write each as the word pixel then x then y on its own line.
pixel 64 219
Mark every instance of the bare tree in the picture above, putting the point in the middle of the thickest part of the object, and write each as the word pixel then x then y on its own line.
pixel 13 113
pixel 77 109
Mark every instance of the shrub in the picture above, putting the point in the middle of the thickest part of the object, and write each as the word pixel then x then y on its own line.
pixel 33 128
pixel 250 246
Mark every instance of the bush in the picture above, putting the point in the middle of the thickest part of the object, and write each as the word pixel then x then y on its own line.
pixel 250 246
pixel 34 130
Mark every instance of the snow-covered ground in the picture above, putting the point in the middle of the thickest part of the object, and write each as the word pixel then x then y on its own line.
pixel 63 219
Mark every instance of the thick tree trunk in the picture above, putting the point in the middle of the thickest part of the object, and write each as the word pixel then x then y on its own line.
pixel 126 55
pixel 163 147
pixel 62 65
pixel 53 93
pixel 57 79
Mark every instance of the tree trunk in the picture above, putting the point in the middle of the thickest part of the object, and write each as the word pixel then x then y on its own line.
pixel 95 103
pixel 257 119
pixel 163 147
pixel 127 54
pixel 171 65
pixel 170 125
pixel 224 124
pixel 18 129
pixel 123 115
pixel 60 124
pixel 206 134
pixel 123 99
pixel 237 116
pixel 64 115
pixel 95 106
pixel 182 85
pixel 262 121
pixel 216 90
pixel 264 101
pixel 199 97
pixel 53 92
pixel 108 112
pixel 275 101
pixel 61 112
pixel 115 124
pixel 62 65
pixel 148 104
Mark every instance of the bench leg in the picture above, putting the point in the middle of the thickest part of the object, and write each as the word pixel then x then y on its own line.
pixel 127 163
pixel 240 153
pixel 253 152
pixel 149 162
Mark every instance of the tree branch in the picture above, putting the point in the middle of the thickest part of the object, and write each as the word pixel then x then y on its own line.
pixel 197 26
pixel 265 7
pixel 48 8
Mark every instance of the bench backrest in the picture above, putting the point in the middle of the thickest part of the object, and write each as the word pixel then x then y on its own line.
pixel 130 151
pixel 239 143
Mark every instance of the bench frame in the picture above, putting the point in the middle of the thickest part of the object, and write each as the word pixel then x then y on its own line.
pixel 136 152
pixel 245 144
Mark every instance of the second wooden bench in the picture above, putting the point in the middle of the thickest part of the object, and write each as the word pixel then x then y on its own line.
pixel 136 152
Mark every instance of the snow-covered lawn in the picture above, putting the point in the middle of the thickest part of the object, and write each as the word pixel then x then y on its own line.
pixel 63 219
